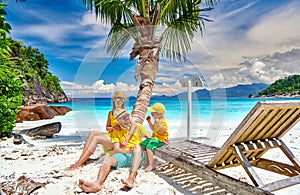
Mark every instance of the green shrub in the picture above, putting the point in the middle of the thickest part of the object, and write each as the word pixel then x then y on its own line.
pixel 11 86
pixel 11 94
pixel 290 84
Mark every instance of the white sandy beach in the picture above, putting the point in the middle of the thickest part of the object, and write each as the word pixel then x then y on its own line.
pixel 47 165
pixel 46 160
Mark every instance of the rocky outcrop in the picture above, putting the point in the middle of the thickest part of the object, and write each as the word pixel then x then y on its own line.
pixel 25 115
pixel 39 112
pixel 37 93
pixel 59 110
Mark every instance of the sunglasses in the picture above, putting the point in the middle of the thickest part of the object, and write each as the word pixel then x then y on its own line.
pixel 120 99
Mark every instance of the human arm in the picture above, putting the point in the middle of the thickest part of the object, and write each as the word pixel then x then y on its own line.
pixel 118 149
pixel 149 122
pixel 159 125
pixel 130 133
pixel 109 126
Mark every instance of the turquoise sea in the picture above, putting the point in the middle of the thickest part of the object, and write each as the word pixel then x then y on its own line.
pixel 207 114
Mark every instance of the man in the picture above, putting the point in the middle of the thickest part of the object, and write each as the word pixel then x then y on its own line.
pixel 130 155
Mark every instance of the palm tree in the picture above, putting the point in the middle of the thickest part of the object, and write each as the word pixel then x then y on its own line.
pixel 138 20
pixel 4 29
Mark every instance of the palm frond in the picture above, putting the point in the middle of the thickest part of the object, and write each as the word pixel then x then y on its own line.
pixel 111 11
pixel 172 10
pixel 118 37
pixel 176 41
pixel 184 20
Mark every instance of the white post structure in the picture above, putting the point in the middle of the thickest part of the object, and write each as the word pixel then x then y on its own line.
pixel 189 83
pixel 189 110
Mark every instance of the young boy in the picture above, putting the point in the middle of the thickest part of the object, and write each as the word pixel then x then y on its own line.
pixel 160 132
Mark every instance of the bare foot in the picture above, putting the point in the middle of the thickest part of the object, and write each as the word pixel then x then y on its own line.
pixel 72 167
pixel 90 187
pixel 127 183
pixel 148 169
pixel 80 182
pixel 166 142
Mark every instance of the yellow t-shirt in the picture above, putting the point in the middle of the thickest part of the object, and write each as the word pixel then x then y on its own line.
pixel 136 138
pixel 120 135
pixel 113 122
pixel 157 133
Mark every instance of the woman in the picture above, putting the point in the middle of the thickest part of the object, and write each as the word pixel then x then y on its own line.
pixel 95 137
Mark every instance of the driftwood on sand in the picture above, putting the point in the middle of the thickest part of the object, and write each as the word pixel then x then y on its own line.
pixel 23 185
pixel 47 130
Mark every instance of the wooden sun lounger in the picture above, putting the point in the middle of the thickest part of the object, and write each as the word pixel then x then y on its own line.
pixel 261 130
pixel 193 157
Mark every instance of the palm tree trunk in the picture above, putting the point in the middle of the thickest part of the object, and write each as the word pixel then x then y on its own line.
pixel 148 73
pixel 142 101
pixel 148 50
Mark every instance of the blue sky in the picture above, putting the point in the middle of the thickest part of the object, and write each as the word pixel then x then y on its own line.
pixel 248 42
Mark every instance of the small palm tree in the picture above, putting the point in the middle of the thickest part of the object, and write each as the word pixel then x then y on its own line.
pixel 138 20
pixel 4 29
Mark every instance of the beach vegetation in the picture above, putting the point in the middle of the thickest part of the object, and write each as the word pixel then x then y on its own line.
pixel 11 85
pixel 289 85
pixel 11 95
pixel 156 28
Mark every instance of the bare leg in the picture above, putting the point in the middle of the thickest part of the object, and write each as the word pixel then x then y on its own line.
pixel 92 187
pixel 136 161
pixel 93 139
pixel 150 160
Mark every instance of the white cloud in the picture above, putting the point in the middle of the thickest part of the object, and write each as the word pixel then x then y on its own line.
pixel 131 89
pixel 168 89
pixel 229 39
pixel 235 12
pixel 264 68
pixel 51 32
pixel 100 89
pixel 97 89
pixel 69 27
pixel 80 90
pixel 259 69
pixel 276 27
pixel 98 28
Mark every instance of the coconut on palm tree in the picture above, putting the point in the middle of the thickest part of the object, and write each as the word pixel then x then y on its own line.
pixel 138 20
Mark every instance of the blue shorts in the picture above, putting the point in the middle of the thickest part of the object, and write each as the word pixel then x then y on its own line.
pixel 125 160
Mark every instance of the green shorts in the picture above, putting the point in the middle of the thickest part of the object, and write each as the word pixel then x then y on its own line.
pixel 151 144
pixel 125 160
